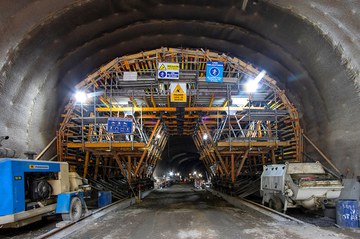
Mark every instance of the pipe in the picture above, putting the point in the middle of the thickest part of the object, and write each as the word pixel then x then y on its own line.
pixel 45 149
pixel 322 154
pixel 7 153
pixel 2 138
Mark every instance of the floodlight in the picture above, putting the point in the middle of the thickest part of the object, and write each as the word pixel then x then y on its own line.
pixel 252 85
pixel 80 96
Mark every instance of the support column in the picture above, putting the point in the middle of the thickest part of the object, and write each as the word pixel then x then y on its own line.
pixel 86 165
pixel 97 166
pixel 129 168
pixel 104 167
pixel 232 168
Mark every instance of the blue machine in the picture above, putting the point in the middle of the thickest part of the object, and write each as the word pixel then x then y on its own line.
pixel 12 181
pixel 25 186
pixel 64 201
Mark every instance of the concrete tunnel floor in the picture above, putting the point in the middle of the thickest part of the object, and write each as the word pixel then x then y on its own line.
pixel 181 212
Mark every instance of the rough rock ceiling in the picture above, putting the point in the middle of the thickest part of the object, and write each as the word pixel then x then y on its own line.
pixel 311 48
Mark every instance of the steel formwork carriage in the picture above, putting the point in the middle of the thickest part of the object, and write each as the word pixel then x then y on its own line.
pixel 243 131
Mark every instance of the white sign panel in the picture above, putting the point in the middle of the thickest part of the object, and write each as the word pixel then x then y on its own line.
pixel 168 70
pixel 130 76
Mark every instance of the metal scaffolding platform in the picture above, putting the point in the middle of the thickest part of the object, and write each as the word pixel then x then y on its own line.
pixel 235 132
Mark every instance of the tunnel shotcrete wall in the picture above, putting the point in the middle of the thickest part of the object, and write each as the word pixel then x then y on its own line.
pixel 310 48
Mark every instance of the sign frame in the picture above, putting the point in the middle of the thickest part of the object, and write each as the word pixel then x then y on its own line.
pixel 214 71
pixel 130 76
pixel 168 70
pixel 119 125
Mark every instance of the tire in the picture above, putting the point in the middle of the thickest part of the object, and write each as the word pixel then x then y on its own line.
pixel 276 204
pixel 75 210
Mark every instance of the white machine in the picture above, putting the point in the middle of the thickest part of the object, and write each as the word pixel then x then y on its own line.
pixel 298 184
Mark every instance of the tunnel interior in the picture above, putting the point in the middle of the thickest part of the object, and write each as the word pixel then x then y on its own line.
pixel 48 47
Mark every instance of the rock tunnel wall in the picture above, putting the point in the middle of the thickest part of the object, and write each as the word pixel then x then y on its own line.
pixel 311 49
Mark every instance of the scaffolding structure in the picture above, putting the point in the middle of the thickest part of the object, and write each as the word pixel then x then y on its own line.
pixel 235 132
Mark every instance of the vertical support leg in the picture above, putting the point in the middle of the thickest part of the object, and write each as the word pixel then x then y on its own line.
pixel 227 166
pixel 273 156
pixel 96 167
pixel 86 165
pixel 104 167
pixel 129 168
pixel 263 159
pixel 232 168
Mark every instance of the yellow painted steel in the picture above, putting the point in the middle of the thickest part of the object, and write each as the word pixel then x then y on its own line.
pixel 254 144
pixel 212 154
pixel 136 109
pixel 107 145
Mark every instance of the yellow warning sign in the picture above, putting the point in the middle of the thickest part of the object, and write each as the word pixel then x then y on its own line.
pixel 162 67
pixel 178 92
pixel 168 70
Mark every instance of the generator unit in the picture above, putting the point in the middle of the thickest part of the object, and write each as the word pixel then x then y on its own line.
pixel 31 189
pixel 298 184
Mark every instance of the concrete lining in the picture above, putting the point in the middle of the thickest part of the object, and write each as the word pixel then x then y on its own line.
pixel 310 47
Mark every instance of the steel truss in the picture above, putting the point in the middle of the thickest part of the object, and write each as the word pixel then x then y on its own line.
pixel 241 137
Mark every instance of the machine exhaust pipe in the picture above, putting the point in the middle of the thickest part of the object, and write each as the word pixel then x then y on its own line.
pixel 7 153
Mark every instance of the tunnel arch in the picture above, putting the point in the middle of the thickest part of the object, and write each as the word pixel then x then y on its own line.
pixel 334 83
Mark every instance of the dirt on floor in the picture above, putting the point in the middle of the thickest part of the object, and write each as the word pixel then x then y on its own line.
pixel 182 212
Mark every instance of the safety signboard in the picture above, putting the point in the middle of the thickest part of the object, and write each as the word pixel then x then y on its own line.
pixel 178 92
pixel 168 70
pixel 130 76
pixel 119 125
pixel 214 71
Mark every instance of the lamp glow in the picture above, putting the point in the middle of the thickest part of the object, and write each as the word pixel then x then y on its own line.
pixel 80 96
pixel 205 137
pixel 252 85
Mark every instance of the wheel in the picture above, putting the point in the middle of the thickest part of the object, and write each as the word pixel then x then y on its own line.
pixel 276 204
pixel 75 210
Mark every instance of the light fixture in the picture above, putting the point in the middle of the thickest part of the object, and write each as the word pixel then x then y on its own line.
pixel 81 96
pixel 158 136
pixel 171 173
pixel 194 173
pixel 252 85
pixel 205 137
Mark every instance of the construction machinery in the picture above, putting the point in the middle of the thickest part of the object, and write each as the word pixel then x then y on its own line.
pixel 292 185
pixel 32 189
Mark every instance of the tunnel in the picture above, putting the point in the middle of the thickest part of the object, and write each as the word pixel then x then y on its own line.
pixel 50 50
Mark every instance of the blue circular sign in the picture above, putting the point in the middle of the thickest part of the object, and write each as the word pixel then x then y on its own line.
pixel 162 74
pixel 214 71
